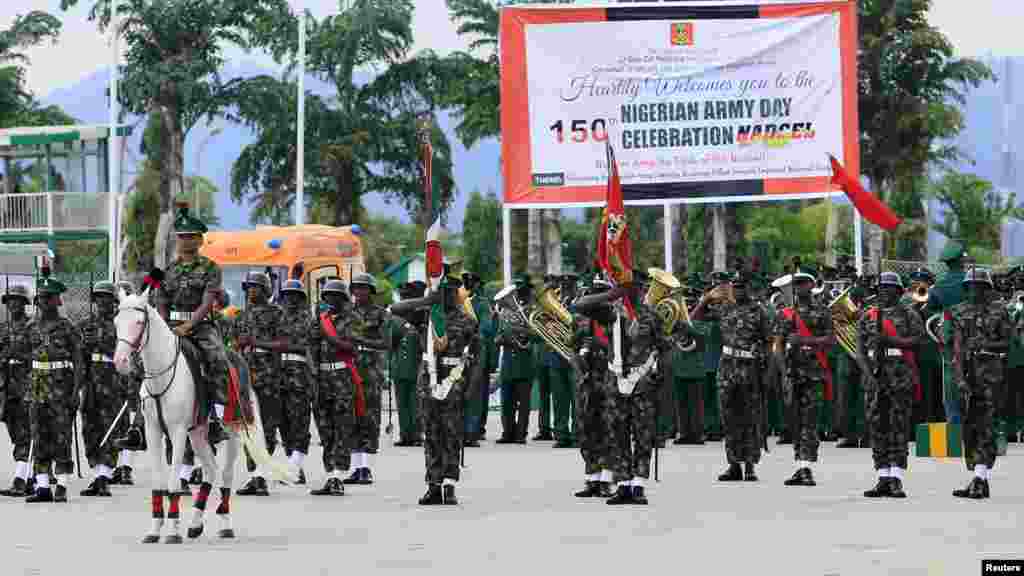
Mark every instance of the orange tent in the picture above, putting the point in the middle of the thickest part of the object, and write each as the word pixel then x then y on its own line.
pixel 312 245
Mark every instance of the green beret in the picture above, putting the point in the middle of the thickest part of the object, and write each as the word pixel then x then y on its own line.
pixel 953 251
pixel 49 286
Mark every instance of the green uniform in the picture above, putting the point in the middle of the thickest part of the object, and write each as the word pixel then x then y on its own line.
pixel 556 385
pixel 517 372
pixel 946 293
pixel 688 379
pixel 1015 371
pixel 488 358
pixel 405 361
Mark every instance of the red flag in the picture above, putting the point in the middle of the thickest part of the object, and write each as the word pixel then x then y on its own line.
pixel 614 247
pixel 871 208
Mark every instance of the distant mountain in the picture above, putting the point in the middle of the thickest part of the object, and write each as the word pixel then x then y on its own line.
pixel 87 101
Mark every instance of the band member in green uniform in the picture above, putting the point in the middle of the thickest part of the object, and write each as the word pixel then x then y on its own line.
pixel 943 296
pixel 406 357
pixel 517 371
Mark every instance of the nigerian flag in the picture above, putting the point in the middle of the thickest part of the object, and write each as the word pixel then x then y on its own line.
pixel 435 258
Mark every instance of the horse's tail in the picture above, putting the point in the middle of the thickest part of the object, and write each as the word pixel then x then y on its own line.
pixel 253 440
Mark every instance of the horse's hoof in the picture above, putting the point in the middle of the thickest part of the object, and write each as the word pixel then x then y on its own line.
pixel 151 539
pixel 195 532
pixel 173 539
pixel 226 533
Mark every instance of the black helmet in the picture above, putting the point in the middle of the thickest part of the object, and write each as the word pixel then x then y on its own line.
pixel 336 287
pixel 260 279
pixel 107 288
pixel 294 286
pixel 364 279
pixel 17 292
pixel 890 279
pixel 978 276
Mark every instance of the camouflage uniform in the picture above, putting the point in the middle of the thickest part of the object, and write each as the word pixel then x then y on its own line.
pixel 889 399
pixel 745 328
pixel 182 293
pixel 976 324
pixel 262 322
pixel 16 358
pixel 333 401
pixel 104 389
pixel 54 389
pixel 443 419
pixel 296 383
pixel 631 418
pixel 805 377
pixel 368 322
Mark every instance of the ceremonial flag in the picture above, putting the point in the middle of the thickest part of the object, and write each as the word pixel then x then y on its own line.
pixel 870 207
pixel 614 247
pixel 435 257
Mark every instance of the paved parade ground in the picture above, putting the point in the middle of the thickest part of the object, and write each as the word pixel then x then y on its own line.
pixel 517 515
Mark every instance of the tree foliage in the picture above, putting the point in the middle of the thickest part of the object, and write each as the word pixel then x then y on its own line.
pixel 175 52
pixel 18 106
pixel 974 210
pixel 481 233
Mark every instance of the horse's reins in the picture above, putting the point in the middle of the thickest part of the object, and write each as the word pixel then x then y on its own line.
pixel 137 347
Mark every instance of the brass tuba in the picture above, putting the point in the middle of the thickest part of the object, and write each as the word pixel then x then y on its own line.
pixel 514 315
pixel 844 322
pixel 553 323
pixel 658 296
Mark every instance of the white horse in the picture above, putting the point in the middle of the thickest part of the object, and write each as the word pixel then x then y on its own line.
pixel 168 395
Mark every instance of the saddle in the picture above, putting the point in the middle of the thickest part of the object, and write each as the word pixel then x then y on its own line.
pixel 239 392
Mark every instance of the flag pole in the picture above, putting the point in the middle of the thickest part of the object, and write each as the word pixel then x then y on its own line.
pixel 300 128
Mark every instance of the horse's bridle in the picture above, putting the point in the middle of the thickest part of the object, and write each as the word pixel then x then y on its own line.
pixel 139 344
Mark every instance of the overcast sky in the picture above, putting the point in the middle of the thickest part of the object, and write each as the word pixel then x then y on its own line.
pixel 976 27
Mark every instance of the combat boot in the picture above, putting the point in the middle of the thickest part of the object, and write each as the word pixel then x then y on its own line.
pixel 471 443
pixel 18 488
pixel 98 487
pixel 623 495
pixel 748 472
pixel 896 488
pixel 733 474
pixel 976 490
pixel 215 432
pixel 544 436
pixel 302 477
pixel 333 487
pixel 784 438
pixel 590 491
pixel 256 486
pixel 60 494
pixel 133 440
pixel 881 490
pixel 849 442
pixel 196 479
pixel 448 495
pixel 638 496
pixel 126 476
pixel 365 476
pixel 40 495
pixel 433 496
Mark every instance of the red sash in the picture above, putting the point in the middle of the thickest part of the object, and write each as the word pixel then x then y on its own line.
pixel 349 359
pixel 804 331
pixel 909 356
pixel 599 333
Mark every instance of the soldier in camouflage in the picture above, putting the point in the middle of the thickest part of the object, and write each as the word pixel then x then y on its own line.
pixel 981 337
pixel 16 358
pixel 296 382
pixel 443 418
pixel 887 334
pixel 805 330
pixel 333 355
pixel 103 386
pixel 55 389
pixel 746 328
pixel 631 413
pixel 185 299
pixel 368 327
pixel 594 317
pixel 256 332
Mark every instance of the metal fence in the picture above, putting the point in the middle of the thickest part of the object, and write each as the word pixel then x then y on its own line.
pixel 905 267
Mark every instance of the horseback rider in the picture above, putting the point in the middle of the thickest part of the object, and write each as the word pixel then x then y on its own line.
pixel 186 298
